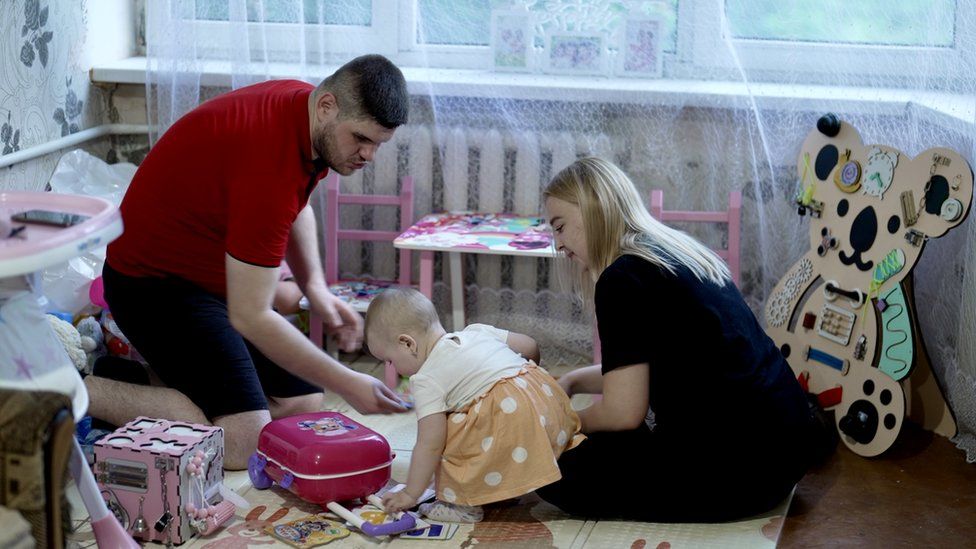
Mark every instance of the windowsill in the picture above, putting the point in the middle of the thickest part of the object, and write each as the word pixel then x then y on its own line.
pixel 951 110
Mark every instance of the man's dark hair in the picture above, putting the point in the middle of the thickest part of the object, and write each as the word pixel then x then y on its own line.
pixel 370 86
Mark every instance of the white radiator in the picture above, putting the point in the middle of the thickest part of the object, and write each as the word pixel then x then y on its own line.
pixel 475 169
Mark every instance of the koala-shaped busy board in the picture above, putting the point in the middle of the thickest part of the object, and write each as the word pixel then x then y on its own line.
pixel 844 314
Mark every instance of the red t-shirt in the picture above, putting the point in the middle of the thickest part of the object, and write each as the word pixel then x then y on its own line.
pixel 229 177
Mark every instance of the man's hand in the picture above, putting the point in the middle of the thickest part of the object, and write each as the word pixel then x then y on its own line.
pixel 369 395
pixel 340 319
pixel 394 502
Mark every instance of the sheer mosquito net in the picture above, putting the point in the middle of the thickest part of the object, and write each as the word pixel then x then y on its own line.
pixel 697 98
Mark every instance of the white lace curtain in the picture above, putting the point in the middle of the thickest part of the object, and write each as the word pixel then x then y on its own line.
pixel 743 83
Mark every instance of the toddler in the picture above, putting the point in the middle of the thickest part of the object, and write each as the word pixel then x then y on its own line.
pixel 490 422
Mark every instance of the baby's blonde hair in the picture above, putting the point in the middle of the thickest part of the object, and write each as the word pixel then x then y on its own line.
pixel 616 223
pixel 399 311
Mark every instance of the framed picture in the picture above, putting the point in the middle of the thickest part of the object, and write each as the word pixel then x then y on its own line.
pixel 640 52
pixel 512 37
pixel 576 53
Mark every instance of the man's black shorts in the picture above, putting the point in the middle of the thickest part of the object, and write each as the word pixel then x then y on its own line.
pixel 185 334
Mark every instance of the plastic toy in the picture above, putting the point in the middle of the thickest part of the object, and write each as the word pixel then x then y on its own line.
pixel 326 458
pixel 76 345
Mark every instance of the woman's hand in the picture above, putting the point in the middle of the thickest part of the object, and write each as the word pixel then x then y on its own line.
pixel 587 380
pixel 566 382
pixel 624 403
pixel 394 502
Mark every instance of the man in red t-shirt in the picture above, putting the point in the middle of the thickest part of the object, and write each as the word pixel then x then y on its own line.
pixel 216 206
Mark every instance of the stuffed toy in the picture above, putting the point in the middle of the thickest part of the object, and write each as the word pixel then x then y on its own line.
pixel 76 345
pixel 115 341
pixel 90 327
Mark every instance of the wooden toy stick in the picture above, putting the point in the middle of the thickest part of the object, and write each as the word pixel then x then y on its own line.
pixel 346 514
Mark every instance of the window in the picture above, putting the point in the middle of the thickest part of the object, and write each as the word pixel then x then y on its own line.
pixel 332 29
pixel 467 22
pixel 452 23
pixel 705 38
pixel 897 40
pixel 456 33
pixel 330 12
pixel 865 22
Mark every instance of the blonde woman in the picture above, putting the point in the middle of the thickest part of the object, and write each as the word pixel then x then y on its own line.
pixel 731 431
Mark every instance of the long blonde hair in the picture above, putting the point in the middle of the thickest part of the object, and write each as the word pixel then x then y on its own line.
pixel 616 223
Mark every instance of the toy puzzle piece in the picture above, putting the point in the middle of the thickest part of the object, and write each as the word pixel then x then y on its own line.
pixel 844 313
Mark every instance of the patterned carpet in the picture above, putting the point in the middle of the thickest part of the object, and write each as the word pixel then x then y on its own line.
pixel 528 522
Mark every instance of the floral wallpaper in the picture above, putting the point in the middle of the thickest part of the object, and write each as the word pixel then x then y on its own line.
pixel 45 92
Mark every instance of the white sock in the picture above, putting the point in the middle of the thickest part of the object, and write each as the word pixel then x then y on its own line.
pixel 449 512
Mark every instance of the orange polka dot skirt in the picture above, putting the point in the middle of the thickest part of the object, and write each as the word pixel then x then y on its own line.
pixel 505 444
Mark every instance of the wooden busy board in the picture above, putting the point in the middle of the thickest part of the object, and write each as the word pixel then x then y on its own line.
pixel 844 314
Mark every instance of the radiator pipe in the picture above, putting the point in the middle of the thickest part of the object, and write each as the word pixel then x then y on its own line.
pixel 70 141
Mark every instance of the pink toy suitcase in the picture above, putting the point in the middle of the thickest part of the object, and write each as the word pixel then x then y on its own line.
pixel 321 457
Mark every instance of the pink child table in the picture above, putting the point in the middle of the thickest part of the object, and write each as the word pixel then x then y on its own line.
pixel 473 233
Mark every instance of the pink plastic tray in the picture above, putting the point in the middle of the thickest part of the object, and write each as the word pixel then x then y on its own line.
pixel 39 246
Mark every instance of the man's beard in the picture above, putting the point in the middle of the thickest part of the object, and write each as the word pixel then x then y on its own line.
pixel 324 145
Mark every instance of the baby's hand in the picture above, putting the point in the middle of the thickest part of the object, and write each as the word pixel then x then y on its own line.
pixel 398 501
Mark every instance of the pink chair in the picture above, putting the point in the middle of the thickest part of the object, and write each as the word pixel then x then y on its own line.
pixel 732 217
pixel 359 292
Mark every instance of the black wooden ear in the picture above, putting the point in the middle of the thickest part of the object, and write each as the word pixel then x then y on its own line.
pixel 829 124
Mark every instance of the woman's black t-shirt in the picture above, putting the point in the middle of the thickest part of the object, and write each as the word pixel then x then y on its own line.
pixel 715 376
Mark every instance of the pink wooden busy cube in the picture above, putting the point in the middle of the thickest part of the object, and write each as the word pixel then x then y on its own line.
pixel 162 478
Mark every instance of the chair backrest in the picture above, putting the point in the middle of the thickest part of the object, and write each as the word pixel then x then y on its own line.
pixel 732 217
pixel 334 233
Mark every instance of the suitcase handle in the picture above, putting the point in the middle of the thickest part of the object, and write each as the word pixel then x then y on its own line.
pixel 402 524
pixel 405 523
